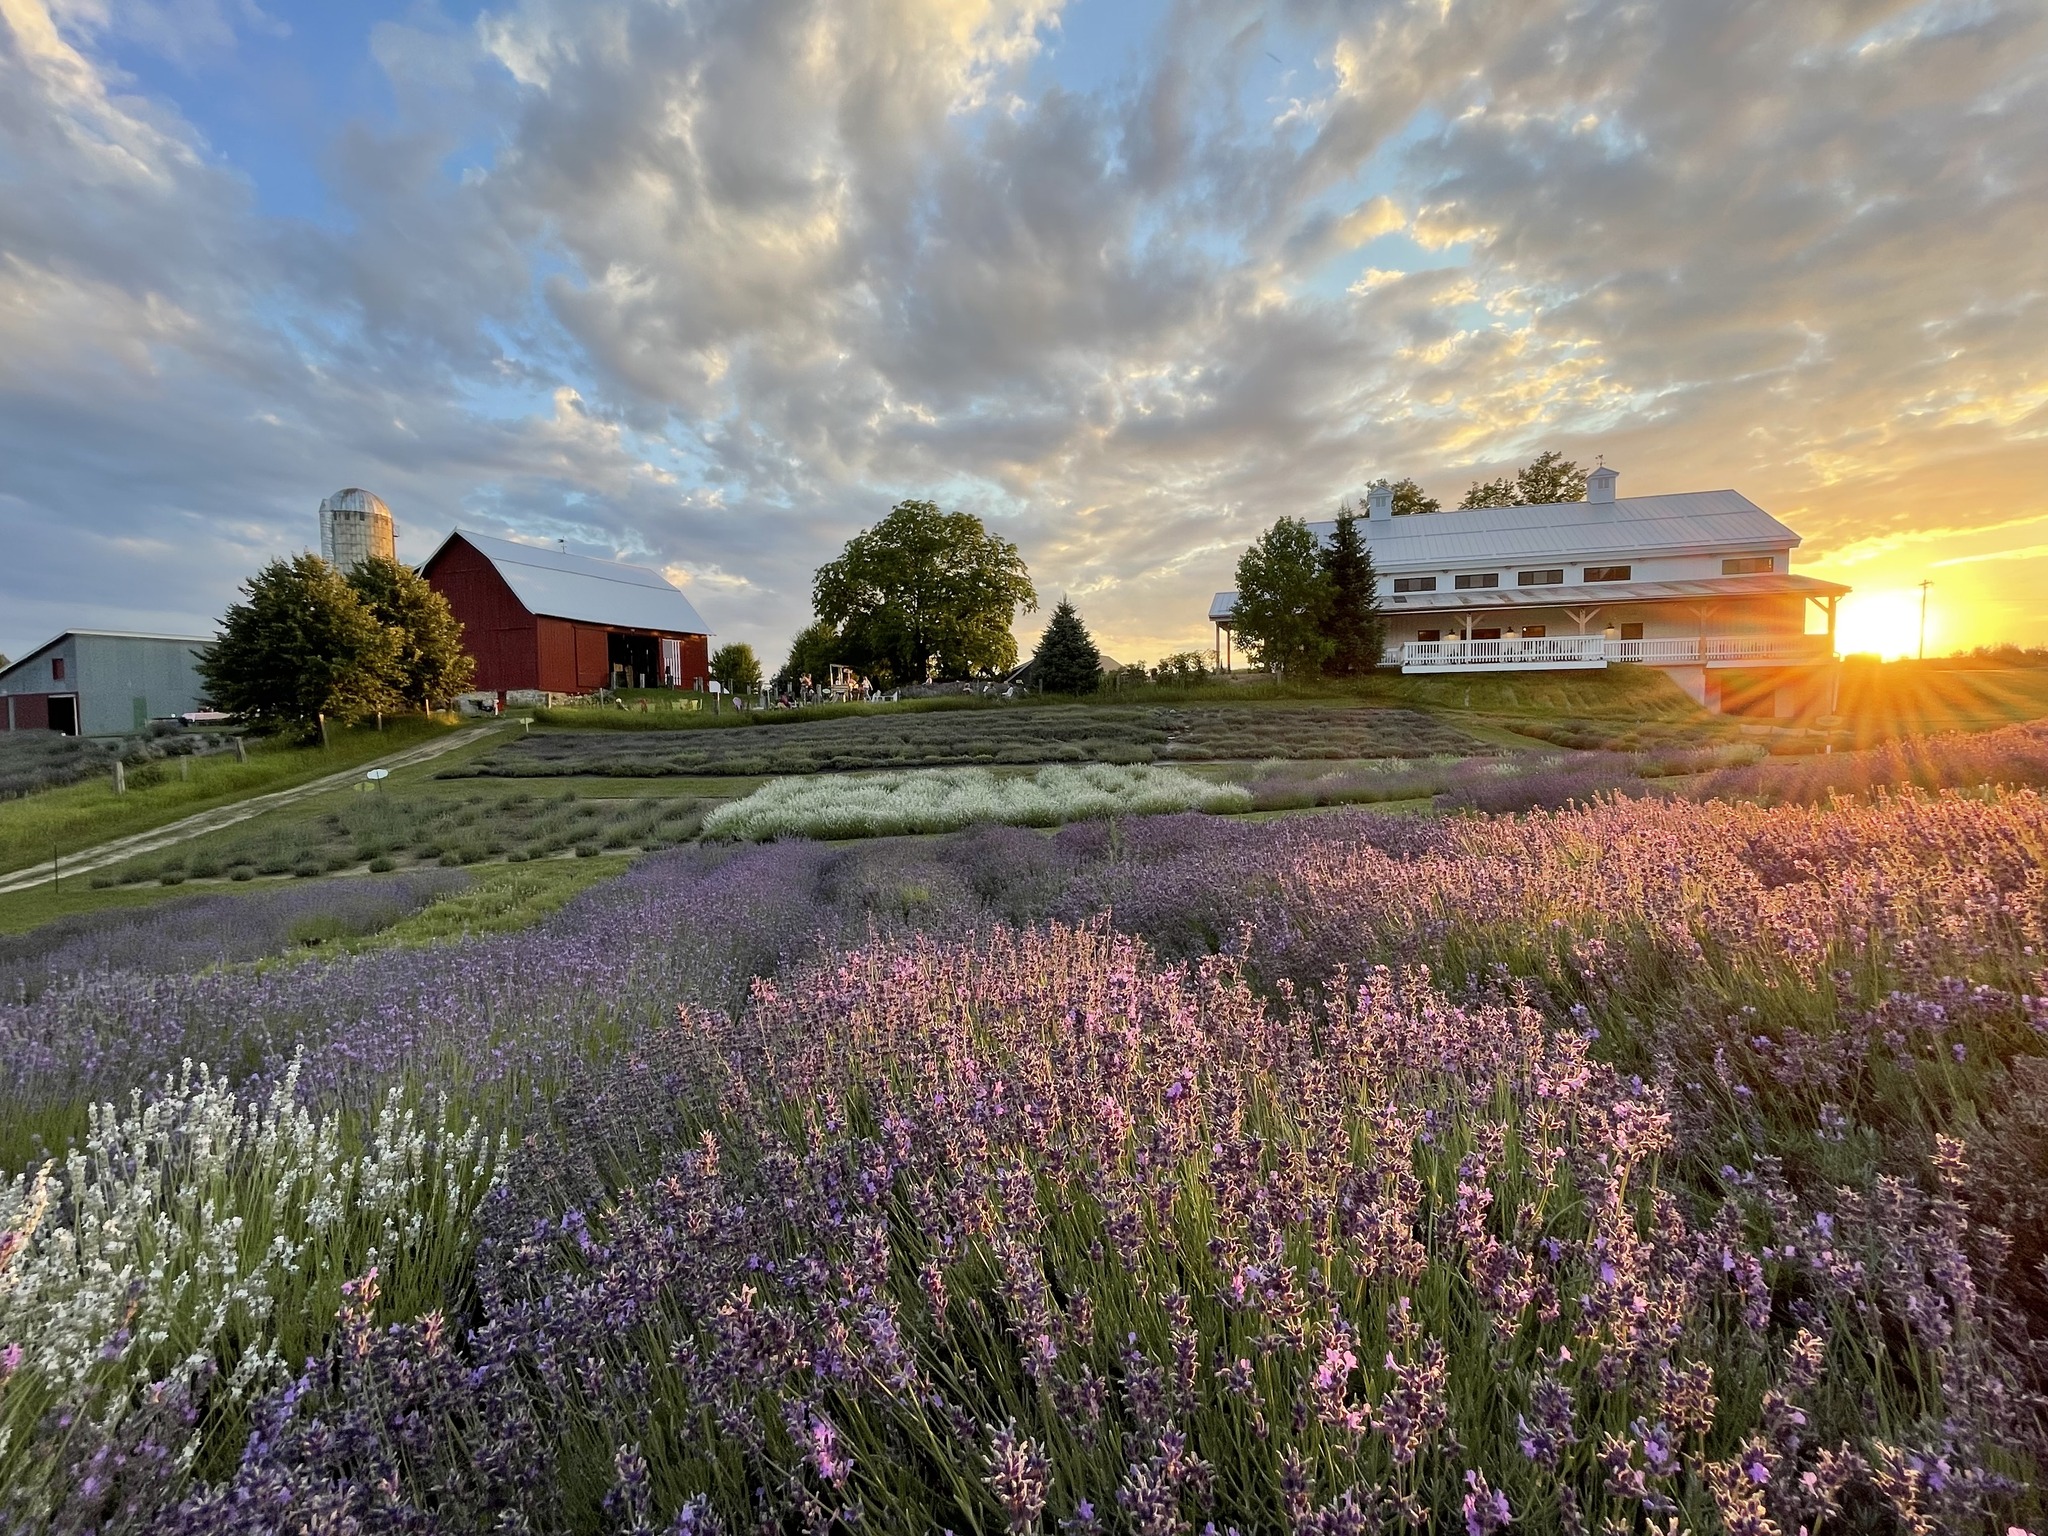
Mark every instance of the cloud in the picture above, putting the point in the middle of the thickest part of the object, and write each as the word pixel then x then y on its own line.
pixel 710 283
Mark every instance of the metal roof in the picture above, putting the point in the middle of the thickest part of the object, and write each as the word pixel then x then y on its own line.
pixel 566 586
pixel 1688 522
pixel 1599 594
pixel 102 634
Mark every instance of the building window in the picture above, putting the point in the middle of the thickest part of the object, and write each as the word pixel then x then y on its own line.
pixel 1534 631
pixel 1748 565
pixel 1484 579
pixel 1414 583
pixel 1485 634
pixel 1631 631
pixel 1429 634
pixel 1608 572
pixel 1549 578
pixel 56 669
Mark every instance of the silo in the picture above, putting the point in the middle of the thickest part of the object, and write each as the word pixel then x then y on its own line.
pixel 355 526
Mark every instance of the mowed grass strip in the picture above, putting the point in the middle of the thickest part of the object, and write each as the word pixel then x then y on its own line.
pixel 1024 735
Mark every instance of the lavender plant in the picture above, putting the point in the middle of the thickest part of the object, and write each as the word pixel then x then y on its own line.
pixel 1639 1164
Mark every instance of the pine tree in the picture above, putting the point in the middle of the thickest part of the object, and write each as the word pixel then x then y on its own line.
pixel 1067 661
pixel 1354 627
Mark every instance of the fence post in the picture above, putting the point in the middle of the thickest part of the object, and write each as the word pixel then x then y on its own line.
pixel 241 751
pixel 185 769
pixel 120 777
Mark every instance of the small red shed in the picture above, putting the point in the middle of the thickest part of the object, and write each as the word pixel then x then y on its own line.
pixel 544 619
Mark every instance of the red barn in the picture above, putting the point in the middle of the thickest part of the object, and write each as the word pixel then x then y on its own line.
pixel 562 623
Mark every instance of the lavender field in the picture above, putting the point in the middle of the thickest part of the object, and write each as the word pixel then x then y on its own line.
pixel 1662 1165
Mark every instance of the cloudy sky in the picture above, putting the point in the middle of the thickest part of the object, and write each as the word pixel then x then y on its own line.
pixel 711 283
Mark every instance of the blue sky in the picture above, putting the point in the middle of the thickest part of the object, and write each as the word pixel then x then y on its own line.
pixel 712 282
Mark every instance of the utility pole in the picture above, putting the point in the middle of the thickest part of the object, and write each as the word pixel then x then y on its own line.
pixel 1923 618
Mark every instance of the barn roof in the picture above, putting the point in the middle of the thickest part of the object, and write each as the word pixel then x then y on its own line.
pixel 565 586
pixel 1687 522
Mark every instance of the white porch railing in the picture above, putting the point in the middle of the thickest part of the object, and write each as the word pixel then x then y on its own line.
pixel 1562 652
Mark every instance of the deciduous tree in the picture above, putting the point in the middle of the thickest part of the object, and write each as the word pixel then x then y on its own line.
pixel 1547 479
pixel 1410 499
pixel 430 663
pixel 1550 478
pixel 925 594
pixel 302 644
pixel 736 668
pixel 1490 493
pixel 1283 600
pixel 1067 660
pixel 811 655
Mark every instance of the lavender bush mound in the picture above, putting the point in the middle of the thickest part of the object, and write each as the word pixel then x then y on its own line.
pixel 192 933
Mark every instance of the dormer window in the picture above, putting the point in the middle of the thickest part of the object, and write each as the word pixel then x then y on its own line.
pixel 1748 565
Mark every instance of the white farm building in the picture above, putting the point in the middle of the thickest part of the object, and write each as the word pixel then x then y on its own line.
pixel 1699 584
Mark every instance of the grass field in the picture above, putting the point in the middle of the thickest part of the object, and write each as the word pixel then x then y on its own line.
pixel 79 815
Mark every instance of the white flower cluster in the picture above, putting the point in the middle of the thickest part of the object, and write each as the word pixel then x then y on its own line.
pixel 942 799
pixel 195 1234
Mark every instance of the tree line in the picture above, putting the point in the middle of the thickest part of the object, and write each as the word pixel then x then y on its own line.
pixel 929 596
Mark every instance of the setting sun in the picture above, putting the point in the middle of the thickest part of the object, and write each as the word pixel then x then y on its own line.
pixel 1887 623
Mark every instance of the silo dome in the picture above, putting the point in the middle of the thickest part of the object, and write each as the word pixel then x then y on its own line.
pixel 355 526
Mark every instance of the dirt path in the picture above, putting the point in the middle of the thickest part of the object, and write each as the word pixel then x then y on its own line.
pixel 200 823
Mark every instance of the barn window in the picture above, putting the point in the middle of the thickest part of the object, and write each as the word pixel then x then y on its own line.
pixel 1550 578
pixel 1748 565
pixel 1484 579
pixel 1414 583
pixel 56 669
pixel 1608 572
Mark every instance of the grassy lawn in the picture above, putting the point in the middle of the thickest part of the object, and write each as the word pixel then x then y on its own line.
pixel 80 815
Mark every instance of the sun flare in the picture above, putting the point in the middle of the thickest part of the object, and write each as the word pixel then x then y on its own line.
pixel 1885 623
